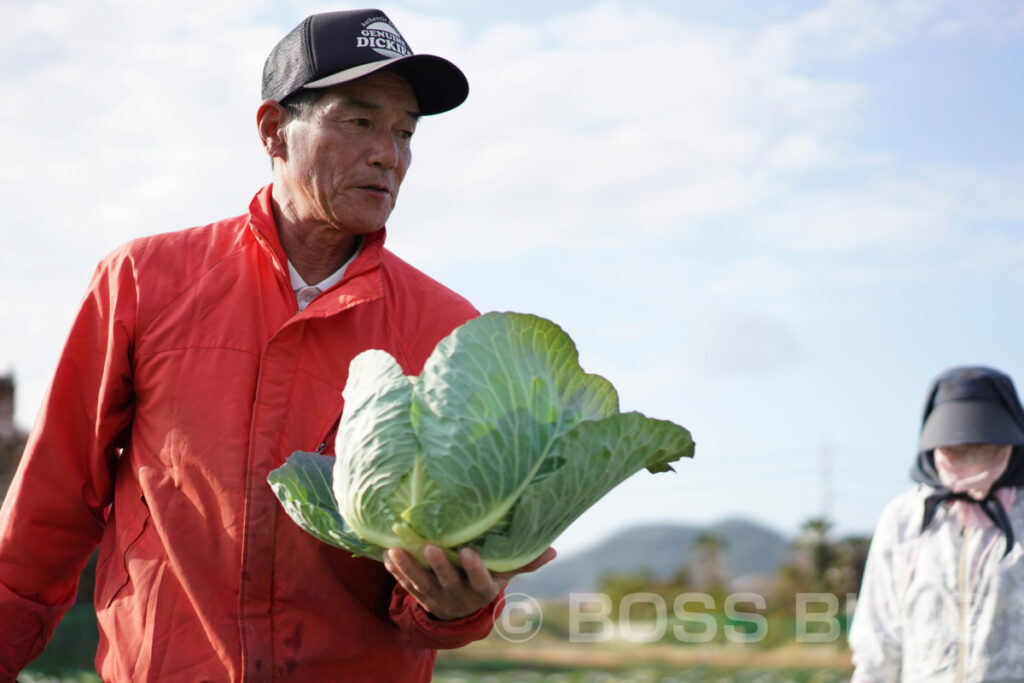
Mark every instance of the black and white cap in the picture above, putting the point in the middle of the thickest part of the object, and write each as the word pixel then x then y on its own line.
pixel 336 47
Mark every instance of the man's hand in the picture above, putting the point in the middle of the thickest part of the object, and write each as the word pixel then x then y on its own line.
pixel 444 590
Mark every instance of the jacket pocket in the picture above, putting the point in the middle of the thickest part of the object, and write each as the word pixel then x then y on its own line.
pixel 112 566
pixel 330 432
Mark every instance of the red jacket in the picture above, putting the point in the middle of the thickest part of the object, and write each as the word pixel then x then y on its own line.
pixel 187 377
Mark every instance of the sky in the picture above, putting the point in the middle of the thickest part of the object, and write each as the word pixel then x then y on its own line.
pixel 771 222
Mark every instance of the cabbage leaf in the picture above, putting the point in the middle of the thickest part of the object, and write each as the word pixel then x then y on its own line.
pixel 499 444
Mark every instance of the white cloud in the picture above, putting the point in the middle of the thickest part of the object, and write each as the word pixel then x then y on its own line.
pixel 850 28
pixel 741 342
pixel 135 122
pixel 614 129
pixel 583 130
pixel 603 123
pixel 995 253
pixel 887 214
pixel 845 30
pixel 941 207
pixel 1016 22
pixel 853 277
pixel 609 122
pixel 757 274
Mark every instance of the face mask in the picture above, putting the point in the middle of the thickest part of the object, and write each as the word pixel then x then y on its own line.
pixel 971 469
pixel 974 469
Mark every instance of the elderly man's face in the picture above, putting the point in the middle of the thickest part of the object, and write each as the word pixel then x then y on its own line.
pixel 347 157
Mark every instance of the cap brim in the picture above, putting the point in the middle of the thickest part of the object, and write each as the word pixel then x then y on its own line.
pixel 957 423
pixel 439 85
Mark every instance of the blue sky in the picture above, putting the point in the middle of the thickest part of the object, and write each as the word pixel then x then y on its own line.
pixel 770 222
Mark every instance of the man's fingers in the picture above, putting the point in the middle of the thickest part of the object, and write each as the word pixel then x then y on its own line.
pixel 480 579
pixel 445 591
pixel 447 575
pixel 410 575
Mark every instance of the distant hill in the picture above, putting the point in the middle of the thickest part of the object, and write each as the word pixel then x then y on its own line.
pixel 750 549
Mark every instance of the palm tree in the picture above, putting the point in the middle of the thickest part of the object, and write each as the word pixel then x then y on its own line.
pixel 710 564
pixel 818 549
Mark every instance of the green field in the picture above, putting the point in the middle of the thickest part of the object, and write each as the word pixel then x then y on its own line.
pixel 496 674
pixel 504 672
pixel 511 672
pixel 69 658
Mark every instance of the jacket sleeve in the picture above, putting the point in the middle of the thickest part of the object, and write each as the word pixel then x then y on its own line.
pixel 876 635
pixel 426 632
pixel 54 513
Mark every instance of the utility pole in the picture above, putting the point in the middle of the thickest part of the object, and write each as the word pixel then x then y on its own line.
pixel 825 482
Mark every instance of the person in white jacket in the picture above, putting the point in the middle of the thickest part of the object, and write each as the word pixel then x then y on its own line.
pixel 943 592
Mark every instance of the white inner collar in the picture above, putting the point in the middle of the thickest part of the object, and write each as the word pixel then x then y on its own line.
pixel 329 281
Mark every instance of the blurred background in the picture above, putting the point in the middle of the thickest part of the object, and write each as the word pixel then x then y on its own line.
pixel 771 222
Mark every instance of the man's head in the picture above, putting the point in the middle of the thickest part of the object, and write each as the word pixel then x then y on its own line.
pixel 342 160
pixel 342 95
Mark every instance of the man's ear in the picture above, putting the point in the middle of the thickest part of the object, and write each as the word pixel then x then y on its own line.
pixel 271 118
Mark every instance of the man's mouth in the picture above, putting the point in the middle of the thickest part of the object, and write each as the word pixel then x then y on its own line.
pixel 382 189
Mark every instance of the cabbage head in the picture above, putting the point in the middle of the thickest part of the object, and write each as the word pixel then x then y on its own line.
pixel 499 444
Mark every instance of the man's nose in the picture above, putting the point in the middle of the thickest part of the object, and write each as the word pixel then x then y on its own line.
pixel 385 151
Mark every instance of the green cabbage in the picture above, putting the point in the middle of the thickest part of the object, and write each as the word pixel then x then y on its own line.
pixel 499 444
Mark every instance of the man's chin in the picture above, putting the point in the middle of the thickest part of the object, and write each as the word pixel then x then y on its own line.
pixel 362 222
pixel 357 229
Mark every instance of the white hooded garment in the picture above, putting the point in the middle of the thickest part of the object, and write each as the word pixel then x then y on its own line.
pixel 942 605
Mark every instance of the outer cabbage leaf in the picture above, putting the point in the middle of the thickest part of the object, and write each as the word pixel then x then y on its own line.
pixel 303 485
pixel 595 457
pixel 378 470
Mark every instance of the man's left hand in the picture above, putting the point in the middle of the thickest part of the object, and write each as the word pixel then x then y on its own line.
pixel 444 590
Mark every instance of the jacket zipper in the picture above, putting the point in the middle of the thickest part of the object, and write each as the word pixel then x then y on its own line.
pixel 962 590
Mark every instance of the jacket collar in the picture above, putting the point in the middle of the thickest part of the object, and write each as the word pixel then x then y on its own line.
pixel 261 220
pixel 365 283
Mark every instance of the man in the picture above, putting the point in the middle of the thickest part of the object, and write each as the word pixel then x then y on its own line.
pixel 200 360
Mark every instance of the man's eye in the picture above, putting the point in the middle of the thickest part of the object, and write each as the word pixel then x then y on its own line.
pixel 405 134
pixel 362 123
